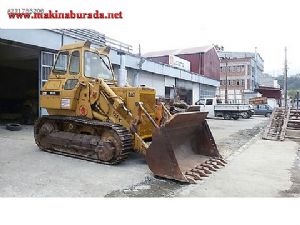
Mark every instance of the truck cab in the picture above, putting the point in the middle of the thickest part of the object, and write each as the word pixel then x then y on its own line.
pixel 216 108
pixel 208 105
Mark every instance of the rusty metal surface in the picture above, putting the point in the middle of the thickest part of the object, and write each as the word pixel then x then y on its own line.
pixel 111 143
pixel 184 149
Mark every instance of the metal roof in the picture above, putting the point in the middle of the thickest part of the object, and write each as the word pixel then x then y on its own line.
pixel 84 34
pixel 94 37
pixel 179 51
pixel 236 55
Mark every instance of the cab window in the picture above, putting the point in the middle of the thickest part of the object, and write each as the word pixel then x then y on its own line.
pixel 97 66
pixel 75 62
pixel 200 102
pixel 61 64
pixel 209 101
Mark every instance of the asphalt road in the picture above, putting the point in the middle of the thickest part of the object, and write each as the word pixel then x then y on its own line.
pixel 25 171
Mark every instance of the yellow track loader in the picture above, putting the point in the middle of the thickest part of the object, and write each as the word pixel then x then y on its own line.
pixel 92 118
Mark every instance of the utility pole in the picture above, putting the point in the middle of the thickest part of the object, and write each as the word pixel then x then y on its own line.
pixel 140 51
pixel 285 79
pixel 226 80
pixel 136 81
pixel 255 71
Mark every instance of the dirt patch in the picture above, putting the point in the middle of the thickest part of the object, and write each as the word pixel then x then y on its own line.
pixel 235 141
pixel 151 187
pixel 154 187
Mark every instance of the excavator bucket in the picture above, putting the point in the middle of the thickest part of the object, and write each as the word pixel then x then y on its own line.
pixel 184 149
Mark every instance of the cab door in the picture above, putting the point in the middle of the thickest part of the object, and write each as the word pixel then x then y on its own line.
pixel 70 94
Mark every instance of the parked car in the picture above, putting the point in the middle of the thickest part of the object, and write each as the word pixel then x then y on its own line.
pixel 263 109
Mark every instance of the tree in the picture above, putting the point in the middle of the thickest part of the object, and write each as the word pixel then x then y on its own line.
pixel 293 83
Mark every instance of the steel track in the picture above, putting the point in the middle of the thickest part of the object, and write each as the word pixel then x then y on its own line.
pixel 122 132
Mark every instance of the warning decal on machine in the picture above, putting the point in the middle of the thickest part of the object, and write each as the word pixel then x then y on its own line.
pixel 65 103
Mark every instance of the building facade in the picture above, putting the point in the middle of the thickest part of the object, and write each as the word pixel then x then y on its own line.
pixel 27 56
pixel 203 61
pixel 240 72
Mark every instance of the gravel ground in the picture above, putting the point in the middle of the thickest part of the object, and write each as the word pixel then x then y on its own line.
pixel 27 172
pixel 230 136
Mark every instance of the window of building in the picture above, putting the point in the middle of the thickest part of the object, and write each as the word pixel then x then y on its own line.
pixel 229 83
pixel 238 83
pixel 249 70
pixel 243 82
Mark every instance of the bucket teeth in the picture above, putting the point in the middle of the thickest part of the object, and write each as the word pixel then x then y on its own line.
pixel 222 160
pixel 194 175
pixel 216 167
pixel 210 167
pixel 197 176
pixel 213 164
pixel 190 179
pixel 218 162
pixel 200 172
pixel 205 169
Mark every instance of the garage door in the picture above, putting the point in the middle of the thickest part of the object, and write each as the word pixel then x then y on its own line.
pixel 47 61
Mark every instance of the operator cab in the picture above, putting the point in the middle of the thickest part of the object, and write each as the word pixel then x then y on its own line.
pixel 95 63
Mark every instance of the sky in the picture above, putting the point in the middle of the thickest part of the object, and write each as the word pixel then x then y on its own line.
pixel 238 25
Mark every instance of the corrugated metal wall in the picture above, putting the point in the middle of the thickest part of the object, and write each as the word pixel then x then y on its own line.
pixel 211 65
pixel 206 64
pixel 194 59
pixel 160 59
